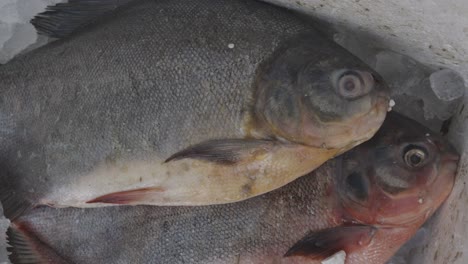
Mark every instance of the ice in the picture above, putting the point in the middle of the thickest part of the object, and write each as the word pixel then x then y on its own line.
pixel 401 72
pixel 4 223
pixel 16 33
pixel 337 258
pixel 434 107
pixel 420 92
pixel 447 85
pixel 24 35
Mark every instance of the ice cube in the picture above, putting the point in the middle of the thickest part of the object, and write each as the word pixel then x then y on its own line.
pixel 24 35
pixel 447 85
pixel 434 107
pixel 400 72
pixel 422 94
pixel 16 33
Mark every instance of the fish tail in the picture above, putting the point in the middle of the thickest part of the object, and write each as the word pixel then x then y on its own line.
pixel 26 247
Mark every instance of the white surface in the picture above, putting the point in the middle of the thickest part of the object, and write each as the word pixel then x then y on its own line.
pixel 434 32
pixel 337 258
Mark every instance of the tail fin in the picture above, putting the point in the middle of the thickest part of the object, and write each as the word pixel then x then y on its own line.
pixel 27 248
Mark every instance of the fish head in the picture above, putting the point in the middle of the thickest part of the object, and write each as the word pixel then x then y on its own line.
pixel 399 177
pixel 329 99
pixel 344 101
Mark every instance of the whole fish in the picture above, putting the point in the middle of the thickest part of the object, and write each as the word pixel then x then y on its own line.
pixel 367 202
pixel 173 102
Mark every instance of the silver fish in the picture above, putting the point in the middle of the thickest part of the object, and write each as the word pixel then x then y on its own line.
pixel 178 103
pixel 367 202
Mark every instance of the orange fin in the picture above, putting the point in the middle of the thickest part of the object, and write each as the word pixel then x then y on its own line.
pixel 324 243
pixel 26 247
pixel 224 151
pixel 126 197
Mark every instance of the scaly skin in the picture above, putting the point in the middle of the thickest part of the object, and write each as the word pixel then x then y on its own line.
pixel 99 112
pixel 262 229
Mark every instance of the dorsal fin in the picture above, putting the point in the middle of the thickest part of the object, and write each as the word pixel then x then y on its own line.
pixel 63 19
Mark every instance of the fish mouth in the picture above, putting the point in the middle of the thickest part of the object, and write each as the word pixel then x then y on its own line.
pixel 364 125
pixel 369 126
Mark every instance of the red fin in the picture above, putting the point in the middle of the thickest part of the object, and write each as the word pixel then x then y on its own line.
pixel 126 197
pixel 324 243
pixel 26 247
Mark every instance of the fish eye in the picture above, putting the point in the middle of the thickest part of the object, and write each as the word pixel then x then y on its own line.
pixel 351 84
pixel 414 156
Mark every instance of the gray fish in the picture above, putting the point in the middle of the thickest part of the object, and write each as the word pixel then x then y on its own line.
pixel 367 202
pixel 173 102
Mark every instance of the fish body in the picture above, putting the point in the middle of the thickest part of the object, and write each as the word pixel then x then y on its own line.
pixel 367 202
pixel 179 103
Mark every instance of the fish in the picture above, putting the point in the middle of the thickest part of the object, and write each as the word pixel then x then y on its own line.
pixel 367 202
pixel 177 103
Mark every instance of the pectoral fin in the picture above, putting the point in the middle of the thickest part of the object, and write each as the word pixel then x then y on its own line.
pixel 324 243
pixel 225 151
